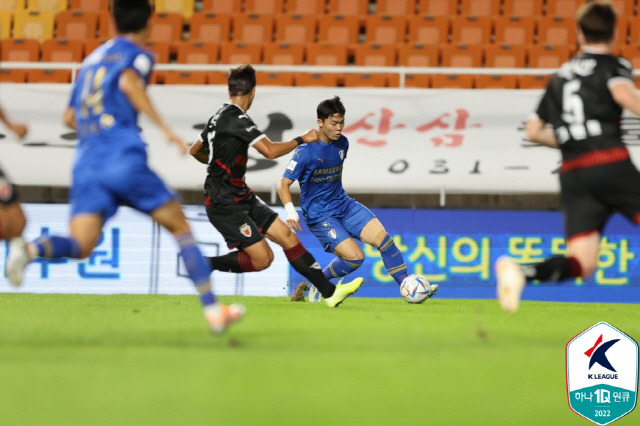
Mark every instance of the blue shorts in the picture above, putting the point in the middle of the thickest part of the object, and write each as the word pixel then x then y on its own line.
pixel 334 228
pixel 102 189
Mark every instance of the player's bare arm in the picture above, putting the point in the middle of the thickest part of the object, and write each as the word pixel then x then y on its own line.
pixel 273 150
pixel 284 192
pixel 198 152
pixel 625 95
pixel 69 118
pixel 133 87
pixel 537 131
pixel 19 129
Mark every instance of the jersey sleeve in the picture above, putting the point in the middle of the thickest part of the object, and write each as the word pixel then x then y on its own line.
pixel 243 128
pixel 142 62
pixel 297 164
pixel 622 72
pixel 545 106
pixel 206 132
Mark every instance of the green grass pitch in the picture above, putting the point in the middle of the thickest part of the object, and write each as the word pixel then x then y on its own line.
pixel 149 360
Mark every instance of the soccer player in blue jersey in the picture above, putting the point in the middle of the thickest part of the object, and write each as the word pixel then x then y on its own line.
pixel 110 166
pixel 336 219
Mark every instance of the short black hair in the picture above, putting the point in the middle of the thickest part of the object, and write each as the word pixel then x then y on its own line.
pixel 329 107
pixel 241 80
pixel 597 21
pixel 131 16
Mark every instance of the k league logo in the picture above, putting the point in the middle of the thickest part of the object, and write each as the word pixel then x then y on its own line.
pixel 602 373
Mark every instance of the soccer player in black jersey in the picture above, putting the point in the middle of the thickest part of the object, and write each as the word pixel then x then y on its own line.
pixel 232 207
pixel 12 219
pixel 580 114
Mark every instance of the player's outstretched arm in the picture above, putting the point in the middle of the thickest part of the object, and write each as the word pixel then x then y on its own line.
pixel 273 150
pixel 198 152
pixel 69 118
pixel 134 89
pixel 284 192
pixel 538 132
pixel 625 95
pixel 19 129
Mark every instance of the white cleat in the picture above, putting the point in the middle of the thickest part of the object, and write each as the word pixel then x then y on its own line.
pixel 432 290
pixel 17 261
pixel 511 282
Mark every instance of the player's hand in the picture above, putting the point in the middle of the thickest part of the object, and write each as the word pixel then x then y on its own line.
pixel 293 219
pixel 177 140
pixel 19 129
pixel 310 136
pixel 294 224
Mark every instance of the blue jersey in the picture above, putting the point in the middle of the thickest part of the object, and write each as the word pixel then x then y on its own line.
pixel 317 166
pixel 105 119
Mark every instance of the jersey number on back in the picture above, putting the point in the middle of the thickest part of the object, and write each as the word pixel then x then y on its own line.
pixel 92 92
pixel 577 127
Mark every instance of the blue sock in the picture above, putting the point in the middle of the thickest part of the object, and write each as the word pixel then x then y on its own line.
pixel 197 267
pixel 54 247
pixel 393 260
pixel 340 267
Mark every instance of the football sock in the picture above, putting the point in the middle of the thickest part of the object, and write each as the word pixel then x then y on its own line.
pixel 393 260
pixel 556 268
pixel 54 247
pixel 236 261
pixel 305 264
pixel 340 267
pixel 196 267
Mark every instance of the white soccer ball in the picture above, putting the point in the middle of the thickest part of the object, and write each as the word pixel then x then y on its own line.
pixel 415 288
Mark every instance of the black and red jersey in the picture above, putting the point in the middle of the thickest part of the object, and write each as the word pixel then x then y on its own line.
pixel 586 119
pixel 227 137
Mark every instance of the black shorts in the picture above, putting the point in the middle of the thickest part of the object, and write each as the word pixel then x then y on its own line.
pixel 8 194
pixel 241 224
pixel 591 195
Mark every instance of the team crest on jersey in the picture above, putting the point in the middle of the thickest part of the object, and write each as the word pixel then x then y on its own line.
pixel 341 153
pixel 332 233
pixel 5 189
pixel 325 225
pixel 245 229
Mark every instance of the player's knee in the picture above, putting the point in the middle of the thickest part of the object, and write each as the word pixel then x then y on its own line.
pixel 588 269
pixel 263 261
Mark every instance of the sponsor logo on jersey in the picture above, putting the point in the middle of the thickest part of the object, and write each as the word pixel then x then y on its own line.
pixel 341 154
pixel 325 225
pixel 245 229
pixel 332 233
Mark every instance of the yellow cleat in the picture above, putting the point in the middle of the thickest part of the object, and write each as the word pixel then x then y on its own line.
pixel 343 291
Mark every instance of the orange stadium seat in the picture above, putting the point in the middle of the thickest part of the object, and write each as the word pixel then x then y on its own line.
pixel 217 77
pixel 514 29
pixel 208 26
pixel 165 27
pixel 418 55
pixel 437 7
pixel 252 28
pixel 557 31
pixel 547 56
pixel 495 81
pixel 12 5
pixel 622 29
pixel 197 52
pixel 283 54
pixel 327 54
pixel 182 7
pixel 222 6
pixel 268 7
pixel 274 78
pixel 48 76
pixel 106 25
pixel 13 75
pixel 90 5
pixel 33 24
pixel 632 54
pixel 58 50
pixel 5 23
pixel 461 55
pixel 19 50
pixel 480 7
pixel 625 8
pixel 523 8
pixel 386 29
pixel 533 81
pixel 471 29
pixel 339 29
pixel 90 45
pixel 365 80
pixel 375 55
pixel 358 8
pixel 240 53
pixel 565 8
pixel 452 81
pixel 396 7
pixel 429 29
pixel 296 28
pixel 505 56
pixel 47 5
pixel 421 81
pixel 185 77
pixel 76 25
pixel 306 7
pixel 316 80
pixel 161 50
pixel 634 32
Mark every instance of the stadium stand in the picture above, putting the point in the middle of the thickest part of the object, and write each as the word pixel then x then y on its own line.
pixel 375 55
pixel 419 55
pixel 182 7
pixel 19 50
pixel 523 8
pixel 48 76
pixel 505 56
pixel 33 24
pixel 268 7
pixel 556 30
pixel 495 81
pixel 429 29
pixel 565 8
pixel 306 7
pixel 275 78
pixel 252 28
pixel 316 79
pixel 284 54
pixel 76 25
pixel 339 29
pixel 365 80
pixel 358 8
pixel 452 81
pixel 47 5
pixel 471 29
pixel 59 50
pixel 210 27
pixel 396 7
pixel 106 26
pixel 480 7
pixel 437 7
pixel 296 28
pixel 6 18
pixel 514 30
pixel 548 56
pixel 327 54
pixel 385 29
pixel 90 5
pixel 222 6
pixel 461 55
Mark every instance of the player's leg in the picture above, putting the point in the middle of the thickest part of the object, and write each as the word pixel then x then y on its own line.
pixel 374 234
pixel 12 220
pixel 171 217
pixel 306 265
pixel 349 257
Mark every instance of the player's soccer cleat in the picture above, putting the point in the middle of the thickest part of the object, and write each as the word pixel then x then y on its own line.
pixel 17 261
pixel 221 316
pixel 343 291
pixel 433 288
pixel 511 282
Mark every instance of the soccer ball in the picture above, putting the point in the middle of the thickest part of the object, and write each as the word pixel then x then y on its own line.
pixel 415 288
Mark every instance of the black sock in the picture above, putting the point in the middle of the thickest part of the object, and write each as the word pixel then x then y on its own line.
pixel 303 262
pixel 236 261
pixel 557 268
